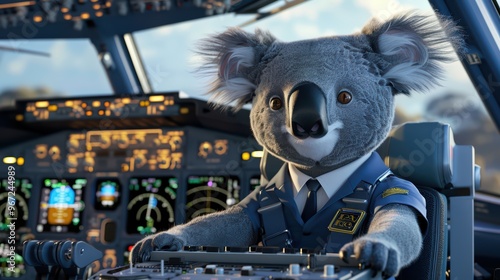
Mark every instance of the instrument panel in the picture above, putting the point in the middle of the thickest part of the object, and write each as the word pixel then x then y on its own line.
pixel 112 187
pixel 151 204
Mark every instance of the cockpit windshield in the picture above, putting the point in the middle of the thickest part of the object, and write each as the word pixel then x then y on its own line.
pixel 59 67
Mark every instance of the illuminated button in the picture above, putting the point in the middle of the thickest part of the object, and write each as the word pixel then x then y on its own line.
pixel 156 98
pixel 69 103
pixel 84 105
pixel 64 10
pixel 257 154
pixel 184 110
pixel 96 6
pixel 126 100
pixel 9 160
pixel 67 17
pixel 100 112
pixel 88 113
pixel 37 18
pixel 20 161
pixel 125 168
pixel 85 16
pixel 19 117
pixel 99 14
pixel 245 156
pixel 96 103
pixel 106 103
pixel 52 108
pixel 41 104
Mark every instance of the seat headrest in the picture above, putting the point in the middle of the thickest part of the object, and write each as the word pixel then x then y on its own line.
pixel 269 166
pixel 421 153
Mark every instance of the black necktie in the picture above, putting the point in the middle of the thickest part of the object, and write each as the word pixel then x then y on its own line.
pixel 311 203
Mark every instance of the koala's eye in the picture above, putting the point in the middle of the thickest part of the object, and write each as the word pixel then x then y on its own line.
pixel 344 97
pixel 275 103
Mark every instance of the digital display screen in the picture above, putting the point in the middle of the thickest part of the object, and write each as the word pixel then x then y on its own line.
pixel 208 194
pixel 108 193
pixel 151 204
pixel 15 193
pixel 61 205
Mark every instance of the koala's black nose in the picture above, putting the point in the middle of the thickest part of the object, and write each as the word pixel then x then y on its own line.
pixel 307 111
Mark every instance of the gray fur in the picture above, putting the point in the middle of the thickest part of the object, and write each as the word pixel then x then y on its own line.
pixel 414 44
pixel 396 56
pixel 393 240
pixel 233 57
pixel 233 228
pixel 226 228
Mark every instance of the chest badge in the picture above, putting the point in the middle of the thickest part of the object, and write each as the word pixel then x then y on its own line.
pixel 347 220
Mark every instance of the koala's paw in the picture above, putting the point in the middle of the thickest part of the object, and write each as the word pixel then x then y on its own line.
pixel 377 254
pixel 164 241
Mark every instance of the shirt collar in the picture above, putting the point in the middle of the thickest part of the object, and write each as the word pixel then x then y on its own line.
pixel 330 181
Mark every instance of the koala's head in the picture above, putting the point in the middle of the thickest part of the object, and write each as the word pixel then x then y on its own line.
pixel 320 104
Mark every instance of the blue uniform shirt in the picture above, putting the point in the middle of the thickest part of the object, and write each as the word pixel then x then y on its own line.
pixel 314 233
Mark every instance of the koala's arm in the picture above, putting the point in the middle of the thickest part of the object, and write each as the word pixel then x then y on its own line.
pixel 231 227
pixel 393 240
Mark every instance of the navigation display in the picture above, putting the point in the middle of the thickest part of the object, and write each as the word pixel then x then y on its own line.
pixel 208 194
pixel 151 204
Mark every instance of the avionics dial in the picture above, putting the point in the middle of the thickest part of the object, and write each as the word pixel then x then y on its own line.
pixel 208 194
pixel 151 204
pixel 19 216
pixel 22 190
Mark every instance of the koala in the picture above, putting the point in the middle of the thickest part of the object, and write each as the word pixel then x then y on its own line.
pixel 323 106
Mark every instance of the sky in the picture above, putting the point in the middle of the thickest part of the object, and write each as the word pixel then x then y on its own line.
pixel 168 52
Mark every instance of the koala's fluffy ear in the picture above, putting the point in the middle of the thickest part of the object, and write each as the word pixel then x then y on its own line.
pixel 233 58
pixel 412 47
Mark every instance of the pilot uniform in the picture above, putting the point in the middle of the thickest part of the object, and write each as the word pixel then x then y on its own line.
pixel 280 195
